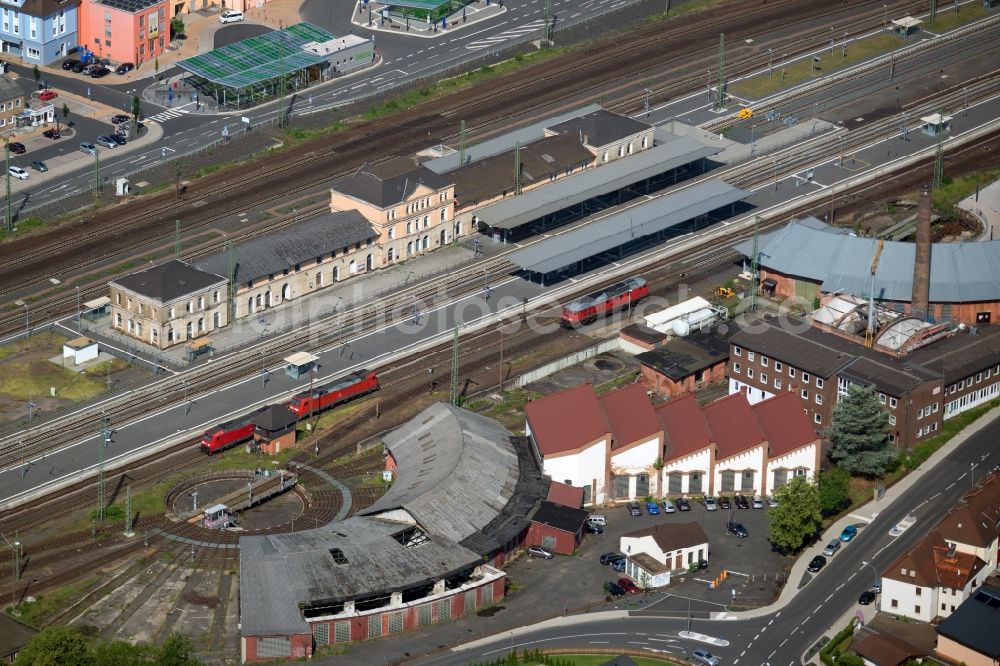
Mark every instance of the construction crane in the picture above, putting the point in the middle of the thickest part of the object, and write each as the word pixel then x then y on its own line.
pixel 870 330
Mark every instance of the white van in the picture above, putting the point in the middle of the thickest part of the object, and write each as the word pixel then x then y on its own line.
pixel 230 16
pixel 597 519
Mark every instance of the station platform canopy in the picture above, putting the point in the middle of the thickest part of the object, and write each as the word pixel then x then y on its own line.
pixel 506 141
pixel 300 359
pixel 427 5
pixel 265 57
pixel 614 231
pixel 514 211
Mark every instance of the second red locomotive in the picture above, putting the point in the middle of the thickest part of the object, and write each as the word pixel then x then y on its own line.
pixel 337 391
pixel 618 296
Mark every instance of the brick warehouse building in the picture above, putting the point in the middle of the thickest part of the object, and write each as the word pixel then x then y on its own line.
pixel 461 503
pixel 919 389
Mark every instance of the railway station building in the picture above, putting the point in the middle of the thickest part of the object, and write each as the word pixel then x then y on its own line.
pixel 168 304
pixel 429 551
pixel 411 208
pixel 298 260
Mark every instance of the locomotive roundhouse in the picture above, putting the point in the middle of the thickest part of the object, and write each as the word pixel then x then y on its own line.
pixel 461 502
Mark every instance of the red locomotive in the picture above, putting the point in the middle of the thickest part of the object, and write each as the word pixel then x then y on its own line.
pixel 335 392
pixel 229 433
pixel 602 303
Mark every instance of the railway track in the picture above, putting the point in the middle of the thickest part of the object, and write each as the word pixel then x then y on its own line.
pixel 561 81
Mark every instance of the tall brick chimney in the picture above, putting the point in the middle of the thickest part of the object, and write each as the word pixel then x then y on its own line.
pixel 922 257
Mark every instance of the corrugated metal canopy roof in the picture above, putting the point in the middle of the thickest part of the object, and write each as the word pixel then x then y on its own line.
pixel 514 211
pixel 506 141
pixel 960 272
pixel 618 229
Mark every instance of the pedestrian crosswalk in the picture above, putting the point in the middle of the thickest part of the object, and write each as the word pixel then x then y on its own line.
pixel 486 42
pixel 167 115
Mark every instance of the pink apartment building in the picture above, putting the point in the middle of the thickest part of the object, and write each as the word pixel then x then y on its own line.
pixel 133 31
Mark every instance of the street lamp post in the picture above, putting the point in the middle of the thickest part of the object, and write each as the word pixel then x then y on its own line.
pixel 500 330
pixel 874 571
pixel 647 102
pixel 263 371
pixel 79 324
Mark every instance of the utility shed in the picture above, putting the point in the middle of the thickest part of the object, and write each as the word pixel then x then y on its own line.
pixel 558 528
pixel 935 124
pixel 79 350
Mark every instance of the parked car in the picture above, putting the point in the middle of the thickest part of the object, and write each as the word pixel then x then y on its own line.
pixel 120 118
pixel 633 509
pixel 593 528
pixel 703 656
pixel 683 504
pixel 230 16
pixel 70 63
pixel 52 134
pixel 668 506
pixel 758 502
pixel 39 166
pixel 78 67
pixel 816 563
pixel 88 148
pixel 742 502
pixel 710 504
pixel 100 72
pixel 18 172
pixel 17 147
pixel 608 558
pixel 877 585
pixel 772 501
pixel 867 597
pixel 724 503
pixel 737 529
pixel 629 587
pixel 47 95
pixel 618 565
pixel 849 533
pixel 107 142
pixel 124 68
pixel 88 68
pixel 652 508
pixel 832 548
pixel 538 551
pixel 120 139
pixel 612 588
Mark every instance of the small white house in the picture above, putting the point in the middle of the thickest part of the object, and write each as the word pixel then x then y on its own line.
pixel 662 549
pixel 79 350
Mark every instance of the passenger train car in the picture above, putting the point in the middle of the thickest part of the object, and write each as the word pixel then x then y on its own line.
pixel 602 303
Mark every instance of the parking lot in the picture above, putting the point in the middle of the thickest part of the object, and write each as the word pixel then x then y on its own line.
pixel 572 583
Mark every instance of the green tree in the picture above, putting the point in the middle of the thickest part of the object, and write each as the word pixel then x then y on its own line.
pixel 56 646
pixel 833 489
pixel 35 72
pixel 121 653
pixel 136 113
pixel 65 112
pixel 859 433
pixel 797 516
pixel 176 651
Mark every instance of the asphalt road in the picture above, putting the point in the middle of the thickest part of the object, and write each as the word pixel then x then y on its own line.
pixel 781 637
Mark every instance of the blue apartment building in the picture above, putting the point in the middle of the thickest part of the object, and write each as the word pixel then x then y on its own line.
pixel 38 31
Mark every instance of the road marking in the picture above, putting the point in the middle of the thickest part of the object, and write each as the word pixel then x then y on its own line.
pixel 783 643
pixel 829 597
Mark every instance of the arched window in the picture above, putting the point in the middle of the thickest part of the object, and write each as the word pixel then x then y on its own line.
pixel 286 291
pixel 409 250
pixel 260 301
pixel 319 279
pixel 409 228
pixel 170 335
pixel 444 237
pixel 392 253
pixel 201 324
pixel 336 273
pixel 444 214
pixel 190 331
pixel 427 221
pixel 267 298
pixel 644 142
pixel 426 242
pixel 250 307
pixel 138 328
pixel 216 321
pixel 171 312
pixel 118 320
pixel 353 267
pixel 153 335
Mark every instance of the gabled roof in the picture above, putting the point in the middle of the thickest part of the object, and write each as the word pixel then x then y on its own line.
pixel 169 281
pixel 733 425
pixel 388 183
pixel 886 650
pixel 785 425
pixel 565 494
pixel 275 418
pixel 566 420
pixel 560 517
pixel 298 243
pixel 541 160
pixel 931 563
pixel 600 128
pixel 974 623
pixel 684 428
pixel 672 536
pixel 630 415
pixel 13 635
pixel 975 520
